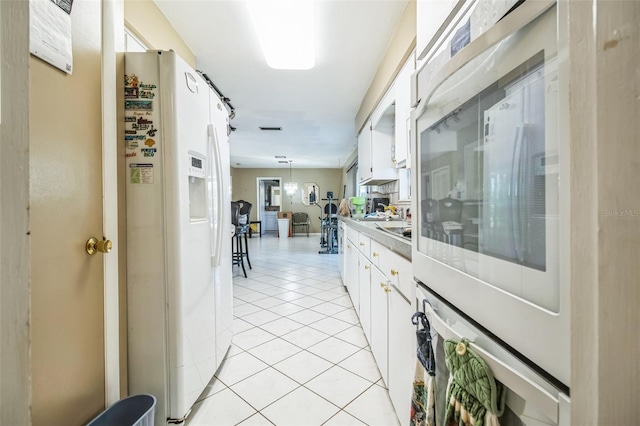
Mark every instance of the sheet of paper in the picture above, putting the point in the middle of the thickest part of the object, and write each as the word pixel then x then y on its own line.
pixel 50 32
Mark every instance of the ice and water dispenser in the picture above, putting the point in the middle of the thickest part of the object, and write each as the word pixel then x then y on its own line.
pixel 197 187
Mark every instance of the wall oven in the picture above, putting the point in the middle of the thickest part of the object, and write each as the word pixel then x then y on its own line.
pixel 490 138
pixel 530 399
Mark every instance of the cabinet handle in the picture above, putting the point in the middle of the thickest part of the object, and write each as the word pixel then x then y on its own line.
pixel 387 290
pixel 383 285
pixel 375 254
pixel 366 266
pixel 348 245
pixel 361 244
pixel 394 272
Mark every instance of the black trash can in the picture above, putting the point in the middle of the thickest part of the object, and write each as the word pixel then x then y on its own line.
pixel 136 410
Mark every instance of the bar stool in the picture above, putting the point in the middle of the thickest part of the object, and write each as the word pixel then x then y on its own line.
pixel 240 213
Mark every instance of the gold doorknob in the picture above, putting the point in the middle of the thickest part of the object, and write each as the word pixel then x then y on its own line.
pixel 394 272
pixel 387 290
pixel 383 285
pixel 375 254
pixel 361 244
pixel 366 266
pixel 103 246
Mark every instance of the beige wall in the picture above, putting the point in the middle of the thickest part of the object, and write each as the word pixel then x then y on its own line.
pixel 244 188
pixel 400 47
pixel 148 23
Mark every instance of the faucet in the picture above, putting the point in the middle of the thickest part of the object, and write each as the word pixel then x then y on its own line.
pixel 389 207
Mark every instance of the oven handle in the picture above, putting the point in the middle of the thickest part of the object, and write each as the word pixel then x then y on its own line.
pixel 520 17
pixel 547 403
pixel 516 188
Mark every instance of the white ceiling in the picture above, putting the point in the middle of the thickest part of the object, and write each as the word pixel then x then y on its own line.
pixel 315 108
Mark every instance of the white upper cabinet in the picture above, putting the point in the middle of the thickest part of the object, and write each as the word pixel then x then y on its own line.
pixel 402 89
pixel 376 144
pixel 364 153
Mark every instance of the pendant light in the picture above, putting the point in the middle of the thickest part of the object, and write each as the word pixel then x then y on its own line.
pixel 290 187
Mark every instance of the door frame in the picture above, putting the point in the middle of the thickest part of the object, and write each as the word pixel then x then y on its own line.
pixel 260 197
pixel 15 257
pixel 112 42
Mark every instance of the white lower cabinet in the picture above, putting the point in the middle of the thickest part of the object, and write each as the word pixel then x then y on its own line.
pixel 380 322
pixel 351 269
pixel 364 281
pixel 402 354
pixel 380 285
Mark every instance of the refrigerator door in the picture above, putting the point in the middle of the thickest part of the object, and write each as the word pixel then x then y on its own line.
pixel 190 276
pixel 147 296
pixel 219 142
pixel 503 128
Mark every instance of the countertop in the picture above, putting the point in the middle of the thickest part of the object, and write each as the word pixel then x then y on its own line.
pixel 397 244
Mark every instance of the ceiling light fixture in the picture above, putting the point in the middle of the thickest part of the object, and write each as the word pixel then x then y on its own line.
pixel 290 187
pixel 285 30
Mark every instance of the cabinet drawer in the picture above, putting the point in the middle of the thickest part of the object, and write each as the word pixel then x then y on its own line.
pixel 351 234
pixel 364 245
pixel 378 251
pixel 398 270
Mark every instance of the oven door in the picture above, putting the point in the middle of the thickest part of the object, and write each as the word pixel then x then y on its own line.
pixel 490 154
pixel 532 399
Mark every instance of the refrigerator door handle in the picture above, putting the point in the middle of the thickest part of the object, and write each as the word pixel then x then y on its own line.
pixel 213 135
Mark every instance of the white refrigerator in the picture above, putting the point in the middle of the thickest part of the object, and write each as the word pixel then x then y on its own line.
pixel 179 281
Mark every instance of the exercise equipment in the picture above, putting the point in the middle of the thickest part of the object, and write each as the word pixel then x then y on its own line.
pixel 329 226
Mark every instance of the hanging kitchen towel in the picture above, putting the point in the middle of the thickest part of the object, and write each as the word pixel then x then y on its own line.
pixel 423 399
pixel 474 397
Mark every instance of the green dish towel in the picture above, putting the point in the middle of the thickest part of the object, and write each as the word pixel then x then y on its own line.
pixel 474 396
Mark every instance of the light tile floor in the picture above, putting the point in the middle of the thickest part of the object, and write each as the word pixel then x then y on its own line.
pixel 299 356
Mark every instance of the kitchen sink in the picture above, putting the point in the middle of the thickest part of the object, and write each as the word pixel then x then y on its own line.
pixel 399 231
pixel 378 219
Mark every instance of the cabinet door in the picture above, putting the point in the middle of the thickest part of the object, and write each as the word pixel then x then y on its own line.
pixel 382 146
pixel 351 274
pixel 377 253
pixel 364 280
pixel 364 245
pixel 403 110
pixel 400 273
pixel 379 321
pixel 364 152
pixel 402 354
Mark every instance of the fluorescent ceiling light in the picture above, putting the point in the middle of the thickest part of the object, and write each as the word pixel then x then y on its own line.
pixel 285 30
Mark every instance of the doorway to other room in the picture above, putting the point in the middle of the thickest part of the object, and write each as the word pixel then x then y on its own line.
pixel 269 202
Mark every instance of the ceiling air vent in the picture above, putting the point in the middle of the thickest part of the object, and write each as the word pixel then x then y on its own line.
pixel 270 128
